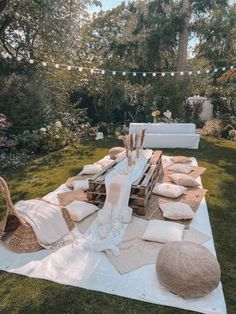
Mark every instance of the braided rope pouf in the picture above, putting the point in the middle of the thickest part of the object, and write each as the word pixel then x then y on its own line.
pixel 187 269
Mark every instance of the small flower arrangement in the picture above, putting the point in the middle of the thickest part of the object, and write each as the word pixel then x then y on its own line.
pixel 155 114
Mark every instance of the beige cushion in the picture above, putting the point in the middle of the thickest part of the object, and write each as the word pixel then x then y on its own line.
pixel 181 168
pixel 113 152
pixel 183 179
pixel 163 231
pixel 187 269
pixel 81 185
pixel 91 169
pixel 68 197
pixel 80 210
pixel 176 210
pixel 168 190
pixel 105 162
pixel 181 159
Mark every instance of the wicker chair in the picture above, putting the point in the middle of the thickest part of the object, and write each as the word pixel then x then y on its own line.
pixel 23 238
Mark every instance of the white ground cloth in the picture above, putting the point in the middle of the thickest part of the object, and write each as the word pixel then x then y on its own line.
pixel 168 135
pixel 73 265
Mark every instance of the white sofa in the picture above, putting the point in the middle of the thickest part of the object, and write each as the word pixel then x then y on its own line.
pixel 168 135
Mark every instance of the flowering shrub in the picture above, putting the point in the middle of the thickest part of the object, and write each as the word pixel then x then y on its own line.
pixel 212 128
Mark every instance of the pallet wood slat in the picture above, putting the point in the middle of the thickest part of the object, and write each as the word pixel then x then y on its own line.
pixel 141 189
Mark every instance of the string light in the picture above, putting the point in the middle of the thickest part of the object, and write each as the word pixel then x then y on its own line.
pixel 6 55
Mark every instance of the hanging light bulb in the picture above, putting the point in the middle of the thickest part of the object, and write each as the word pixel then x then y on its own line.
pixel 44 63
pixel 144 74
pixel 232 67
pixel 172 74
pixel 223 69
pixel 198 72
pixel 190 73
pixel 154 74
pixel 123 73
pixel 31 61
pixel 216 70
pixel 163 74
pixel 69 67
pixel 113 72
pixel 57 66
pixel 207 71
pixel 181 73
pixel 92 71
pixel 80 69
pixel 103 71
pixel 134 74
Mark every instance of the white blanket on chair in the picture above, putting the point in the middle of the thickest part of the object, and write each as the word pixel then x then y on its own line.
pixel 46 220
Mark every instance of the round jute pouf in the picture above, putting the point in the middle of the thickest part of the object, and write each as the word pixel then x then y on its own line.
pixel 187 269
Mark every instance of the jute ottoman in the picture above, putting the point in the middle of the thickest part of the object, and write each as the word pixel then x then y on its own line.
pixel 187 269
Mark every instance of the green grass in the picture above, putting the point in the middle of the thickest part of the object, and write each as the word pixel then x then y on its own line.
pixel 20 294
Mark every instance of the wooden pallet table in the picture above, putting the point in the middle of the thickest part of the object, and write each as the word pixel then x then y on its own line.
pixel 140 191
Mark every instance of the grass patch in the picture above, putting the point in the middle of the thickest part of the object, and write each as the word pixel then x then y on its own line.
pixel 20 294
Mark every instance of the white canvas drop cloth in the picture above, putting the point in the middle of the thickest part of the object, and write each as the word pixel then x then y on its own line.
pixel 76 266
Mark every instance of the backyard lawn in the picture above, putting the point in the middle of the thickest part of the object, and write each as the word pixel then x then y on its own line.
pixel 20 294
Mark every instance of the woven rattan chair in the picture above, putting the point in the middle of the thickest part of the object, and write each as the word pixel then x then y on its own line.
pixel 23 238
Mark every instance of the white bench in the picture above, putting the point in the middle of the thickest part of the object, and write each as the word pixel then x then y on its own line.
pixel 168 135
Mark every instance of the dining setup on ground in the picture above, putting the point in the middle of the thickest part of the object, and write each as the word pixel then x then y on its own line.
pixel 133 224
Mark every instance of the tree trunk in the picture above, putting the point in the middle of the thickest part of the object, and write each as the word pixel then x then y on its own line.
pixel 183 37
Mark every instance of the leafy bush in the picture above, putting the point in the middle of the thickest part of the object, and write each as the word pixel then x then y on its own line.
pixel 225 131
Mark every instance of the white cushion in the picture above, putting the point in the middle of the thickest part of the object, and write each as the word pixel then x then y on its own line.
pixel 81 184
pixel 176 210
pixel 163 231
pixel 183 179
pixel 80 210
pixel 181 168
pixel 91 169
pixel 168 190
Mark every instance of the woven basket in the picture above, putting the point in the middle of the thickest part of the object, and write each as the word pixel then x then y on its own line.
pixel 23 238
pixel 187 269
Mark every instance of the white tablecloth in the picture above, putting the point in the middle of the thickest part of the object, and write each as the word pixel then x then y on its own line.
pixel 163 128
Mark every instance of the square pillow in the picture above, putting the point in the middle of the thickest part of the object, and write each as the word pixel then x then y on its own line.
pixel 69 197
pixel 80 210
pixel 105 162
pixel 176 210
pixel 183 179
pixel 163 231
pixel 168 190
pixel 181 168
pixel 81 185
pixel 91 169
pixel 181 160
pixel 115 151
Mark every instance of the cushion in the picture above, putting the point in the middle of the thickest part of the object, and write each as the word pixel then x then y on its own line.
pixel 181 168
pixel 80 210
pixel 176 210
pixel 81 185
pixel 183 179
pixel 187 269
pixel 105 162
pixel 181 159
pixel 68 197
pixel 91 169
pixel 163 231
pixel 168 190
pixel 113 152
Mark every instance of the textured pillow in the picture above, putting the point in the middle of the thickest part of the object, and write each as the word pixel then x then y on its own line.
pixel 181 160
pixel 105 162
pixel 163 231
pixel 168 190
pixel 181 168
pixel 91 169
pixel 113 152
pixel 80 210
pixel 187 269
pixel 183 179
pixel 81 185
pixel 176 210
pixel 69 197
